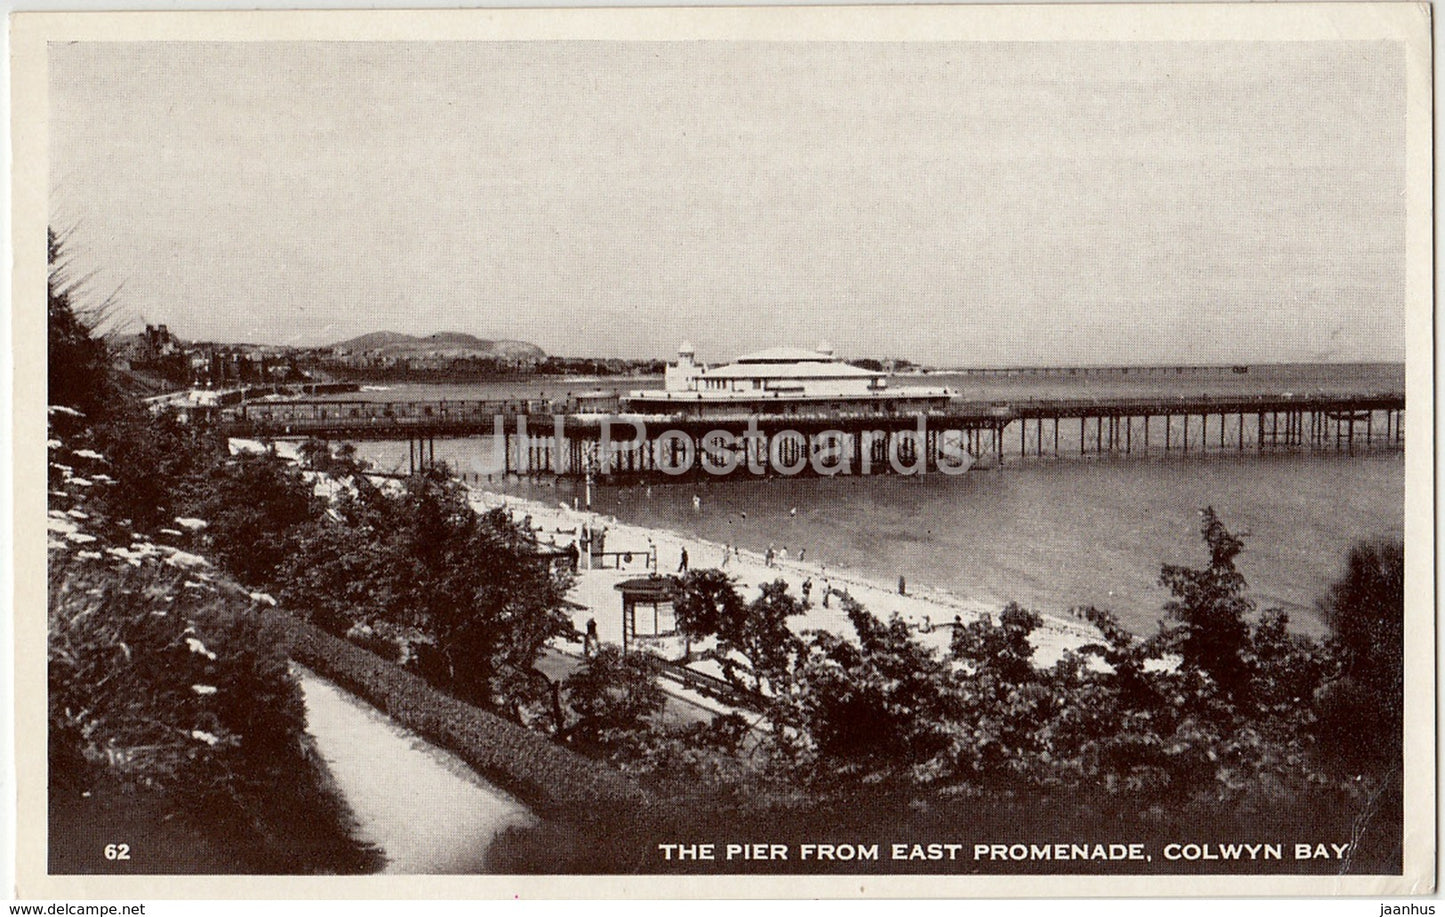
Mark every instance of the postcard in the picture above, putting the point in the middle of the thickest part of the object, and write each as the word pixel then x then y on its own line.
pixel 913 451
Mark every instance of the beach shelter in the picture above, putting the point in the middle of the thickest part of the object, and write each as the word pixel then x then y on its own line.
pixel 654 595
pixel 559 558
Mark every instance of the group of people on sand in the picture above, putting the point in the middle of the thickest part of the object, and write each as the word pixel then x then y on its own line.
pixel 772 556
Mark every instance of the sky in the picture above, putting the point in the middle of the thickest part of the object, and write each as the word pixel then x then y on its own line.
pixel 953 203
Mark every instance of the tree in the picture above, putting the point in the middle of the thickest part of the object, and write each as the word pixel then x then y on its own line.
pixel 1003 650
pixel 466 597
pixel 79 364
pixel 1009 706
pixel 1211 610
pixel 707 604
pixel 1125 657
pixel 479 588
pixel 612 692
pixel 762 635
pixel 253 507
pixel 1362 707
pixel 882 703
pixel 703 601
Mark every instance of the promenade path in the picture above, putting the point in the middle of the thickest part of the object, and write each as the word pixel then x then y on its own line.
pixel 422 806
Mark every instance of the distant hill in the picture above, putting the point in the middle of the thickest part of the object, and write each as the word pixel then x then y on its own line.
pixel 442 344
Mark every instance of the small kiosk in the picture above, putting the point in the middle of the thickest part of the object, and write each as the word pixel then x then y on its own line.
pixel 651 593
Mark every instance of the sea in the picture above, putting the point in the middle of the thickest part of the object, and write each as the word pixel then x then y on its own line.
pixel 1052 535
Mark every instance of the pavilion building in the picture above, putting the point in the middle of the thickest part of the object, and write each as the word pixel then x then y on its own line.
pixel 781 380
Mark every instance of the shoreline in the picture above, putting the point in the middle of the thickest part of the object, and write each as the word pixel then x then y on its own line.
pixel 929 610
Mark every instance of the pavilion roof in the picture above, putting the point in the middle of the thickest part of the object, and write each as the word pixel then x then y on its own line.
pixel 824 369
pixel 648 588
pixel 786 355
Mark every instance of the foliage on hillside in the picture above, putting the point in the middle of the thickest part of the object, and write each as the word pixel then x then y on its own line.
pixel 77 376
pixel 409 569
pixel 1222 718
pixel 171 703
pixel 169 685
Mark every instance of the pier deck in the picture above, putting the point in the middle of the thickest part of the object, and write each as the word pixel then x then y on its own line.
pixel 558 437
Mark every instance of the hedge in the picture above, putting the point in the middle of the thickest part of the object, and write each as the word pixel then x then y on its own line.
pixel 547 777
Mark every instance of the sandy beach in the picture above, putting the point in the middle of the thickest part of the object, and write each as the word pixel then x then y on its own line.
pixel 928 611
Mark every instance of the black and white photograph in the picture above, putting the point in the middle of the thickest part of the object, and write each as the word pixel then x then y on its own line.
pixel 961 448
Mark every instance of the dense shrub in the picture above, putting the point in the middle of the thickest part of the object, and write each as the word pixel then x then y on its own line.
pixel 1210 720
pixel 612 691
pixel 878 702
pixel 463 595
pixel 1362 708
pixel 526 763
pixel 167 682
pixel 253 505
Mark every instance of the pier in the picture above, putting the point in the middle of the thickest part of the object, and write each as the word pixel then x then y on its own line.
pixel 1160 371
pixel 561 437
pixel 1203 424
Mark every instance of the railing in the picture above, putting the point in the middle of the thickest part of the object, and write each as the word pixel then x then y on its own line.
pixel 302 416
pixel 711 686
pixel 1204 399
pixel 619 558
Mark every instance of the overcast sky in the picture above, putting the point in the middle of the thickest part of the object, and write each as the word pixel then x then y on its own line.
pixel 954 203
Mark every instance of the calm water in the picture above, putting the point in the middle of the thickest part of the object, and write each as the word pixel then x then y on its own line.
pixel 1056 535
pixel 1050 535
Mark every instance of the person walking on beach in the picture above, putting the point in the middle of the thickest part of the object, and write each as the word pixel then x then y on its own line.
pixel 902 586
pixel 827 591
pixel 802 553
pixel 768 557
pixel 727 556
pixel 589 639
pixel 783 555
pixel 807 590
pixel 682 563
